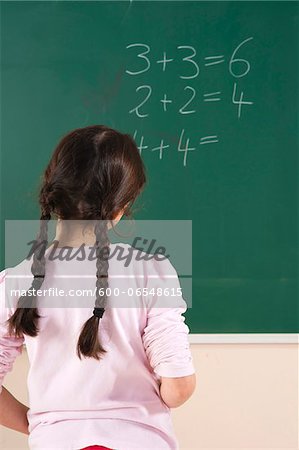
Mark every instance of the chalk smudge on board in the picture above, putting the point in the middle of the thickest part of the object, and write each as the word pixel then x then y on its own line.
pixel 127 10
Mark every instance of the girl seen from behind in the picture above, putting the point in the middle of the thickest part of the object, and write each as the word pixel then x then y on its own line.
pixel 99 375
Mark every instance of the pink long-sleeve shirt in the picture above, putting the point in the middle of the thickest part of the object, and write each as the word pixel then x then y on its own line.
pixel 113 402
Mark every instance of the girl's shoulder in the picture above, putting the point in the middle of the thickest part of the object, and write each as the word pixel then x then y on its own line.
pixel 151 264
pixel 14 278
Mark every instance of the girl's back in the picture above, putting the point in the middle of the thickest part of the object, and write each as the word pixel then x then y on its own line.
pixel 116 401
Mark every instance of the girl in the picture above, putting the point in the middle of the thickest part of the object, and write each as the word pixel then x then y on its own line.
pixel 99 375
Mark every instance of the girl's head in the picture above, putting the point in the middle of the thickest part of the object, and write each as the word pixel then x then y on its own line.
pixel 95 174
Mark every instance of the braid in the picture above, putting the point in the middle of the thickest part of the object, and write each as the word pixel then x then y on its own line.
pixel 38 264
pixel 102 241
pixel 88 343
pixel 25 318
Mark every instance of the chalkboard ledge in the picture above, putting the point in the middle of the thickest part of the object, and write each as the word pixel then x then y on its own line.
pixel 244 338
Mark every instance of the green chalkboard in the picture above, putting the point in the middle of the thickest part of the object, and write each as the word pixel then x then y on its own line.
pixel 209 90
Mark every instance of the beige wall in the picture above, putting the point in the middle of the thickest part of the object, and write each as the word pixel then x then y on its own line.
pixel 246 397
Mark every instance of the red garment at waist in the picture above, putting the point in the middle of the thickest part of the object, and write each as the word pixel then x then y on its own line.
pixel 96 447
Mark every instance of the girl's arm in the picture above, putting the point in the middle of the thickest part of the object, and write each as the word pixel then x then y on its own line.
pixel 165 336
pixel 176 391
pixel 13 414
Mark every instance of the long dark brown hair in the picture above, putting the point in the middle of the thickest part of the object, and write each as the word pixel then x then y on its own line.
pixel 94 173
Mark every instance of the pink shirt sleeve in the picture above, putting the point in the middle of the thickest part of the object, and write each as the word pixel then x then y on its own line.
pixel 10 347
pixel 165 336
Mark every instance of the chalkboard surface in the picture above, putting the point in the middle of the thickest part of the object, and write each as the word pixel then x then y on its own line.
pixel 209 91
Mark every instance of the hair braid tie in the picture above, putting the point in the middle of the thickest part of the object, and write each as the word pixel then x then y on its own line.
pixel 98 312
